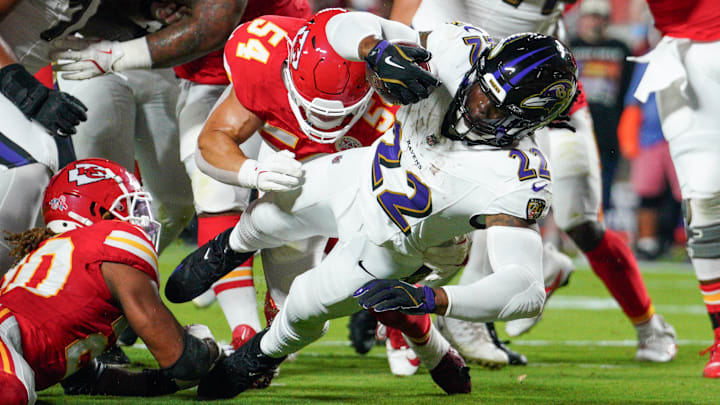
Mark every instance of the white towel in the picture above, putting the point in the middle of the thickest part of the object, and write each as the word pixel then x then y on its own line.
pixel 665 67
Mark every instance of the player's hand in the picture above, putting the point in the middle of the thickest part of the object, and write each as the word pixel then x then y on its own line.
pixel 448 256
pixel 88 57
pixel 168 12
pixel 277 172
pixel 58 112
pixel 396 66
pixel 390 295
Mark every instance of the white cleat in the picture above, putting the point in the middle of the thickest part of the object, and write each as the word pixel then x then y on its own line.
pixel 402 359
pixel 557 268
pixel 205 299
pixel 657 341
pixel 473 341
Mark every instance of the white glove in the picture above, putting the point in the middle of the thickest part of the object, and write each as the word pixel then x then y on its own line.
pixel 90 57
pixel 277 172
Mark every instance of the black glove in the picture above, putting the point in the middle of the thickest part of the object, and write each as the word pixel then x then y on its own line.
pixel 396 66
pixel 391 295
pixel 100 379
pixel 58 112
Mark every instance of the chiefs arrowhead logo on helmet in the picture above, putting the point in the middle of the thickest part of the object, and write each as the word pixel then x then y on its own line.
pixel 86 173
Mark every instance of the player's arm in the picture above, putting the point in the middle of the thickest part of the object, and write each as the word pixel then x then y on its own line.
pixel 58 112
pixel 219 156
pixel 404 10
pixel 514 290
pixel 205 29
pixel 182 356
pixel 359 36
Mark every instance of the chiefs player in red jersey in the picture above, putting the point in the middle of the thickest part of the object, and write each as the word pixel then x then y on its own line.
pixel 275 100
pixel 684 74
pixel 305 100
pixel 80 281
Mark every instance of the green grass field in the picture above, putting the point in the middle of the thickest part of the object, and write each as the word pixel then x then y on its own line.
pixel 581 352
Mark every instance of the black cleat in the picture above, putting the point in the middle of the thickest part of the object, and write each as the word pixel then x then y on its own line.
pixel 115 356
pixel 202 268
pixel 240 371
pixel 514 358
pixel 362 331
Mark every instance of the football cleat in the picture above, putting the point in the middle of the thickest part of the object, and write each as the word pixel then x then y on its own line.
pixel 473 341
pixel 205 299
pixel 514 358
pixel 451 374
pixel 239 371
pixel 362 328
pixel 402 359
pixel 241 335
pixel 557 267
pixel 115 356
pixel 657 341
pixel 202 268
pixel 712 368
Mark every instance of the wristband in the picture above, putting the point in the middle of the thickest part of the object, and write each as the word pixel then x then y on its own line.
pixel 247 176
pixel 136 55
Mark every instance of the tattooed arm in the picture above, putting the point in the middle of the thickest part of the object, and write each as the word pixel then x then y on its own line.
pixel 207 29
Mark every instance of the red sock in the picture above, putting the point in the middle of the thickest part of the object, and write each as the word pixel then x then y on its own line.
pixel 615 264
pixel 711 297
pixel 210 227
pixel 415 327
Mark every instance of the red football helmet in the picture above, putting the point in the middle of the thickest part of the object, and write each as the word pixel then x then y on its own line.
pixel 327 93
pixel 90 190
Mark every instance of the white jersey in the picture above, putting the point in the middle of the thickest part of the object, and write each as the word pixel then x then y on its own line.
pixel 421 188
pixel 32 24
pixel 500 18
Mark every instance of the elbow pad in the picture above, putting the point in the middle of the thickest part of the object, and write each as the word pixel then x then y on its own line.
pixel 196 360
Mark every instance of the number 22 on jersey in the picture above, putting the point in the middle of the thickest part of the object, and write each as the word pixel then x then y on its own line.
pixel 254 49
pixel 398 204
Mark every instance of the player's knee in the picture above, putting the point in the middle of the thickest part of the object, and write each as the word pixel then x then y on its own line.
pixel 12 390
pixel 247 237
pixel 304 309
pixel 703 230
pixel 525 304
pixel 587 235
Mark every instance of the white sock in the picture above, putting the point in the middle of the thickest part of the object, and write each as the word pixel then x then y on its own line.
pixel 236 295
pixel 432 351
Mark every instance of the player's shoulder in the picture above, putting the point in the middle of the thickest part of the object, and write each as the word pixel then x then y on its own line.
pixel 122 242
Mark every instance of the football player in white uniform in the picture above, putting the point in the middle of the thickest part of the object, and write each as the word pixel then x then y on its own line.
pixel 28 155
pixel 458 160
pixel 576 180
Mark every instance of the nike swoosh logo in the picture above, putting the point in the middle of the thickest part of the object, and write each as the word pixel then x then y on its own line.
pixel 360 263
pixel 389 61
pixel 106 52
pixel 415 362
pixel 207 254
pixel 537 188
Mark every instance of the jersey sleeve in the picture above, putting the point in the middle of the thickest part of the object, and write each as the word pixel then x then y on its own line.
pixel 127 244
pixel 523 202
pixel 253 57
pixel 454 48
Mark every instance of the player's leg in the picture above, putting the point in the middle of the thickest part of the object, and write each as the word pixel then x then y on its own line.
pixel 157 149
pixel 21 194
pixel 17 380
pixel 218 207
pixel 110 127
pixel 690 124
pixel 576 182
pixel 648 181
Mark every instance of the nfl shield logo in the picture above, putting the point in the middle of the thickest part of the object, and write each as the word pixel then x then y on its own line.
pixel 535 208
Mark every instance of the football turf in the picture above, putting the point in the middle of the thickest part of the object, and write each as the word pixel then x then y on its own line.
pixel 580 353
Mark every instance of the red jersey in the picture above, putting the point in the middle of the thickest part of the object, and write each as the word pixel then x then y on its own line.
pixel 581 100
pixel 209 69
pixel 254 57
pixel 698 20
pixel 60 299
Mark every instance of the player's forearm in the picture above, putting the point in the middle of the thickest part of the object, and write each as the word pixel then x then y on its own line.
pixel 514 290
pixel 208 28
pixel 352 35
pixel 404 10
pixel 219 157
